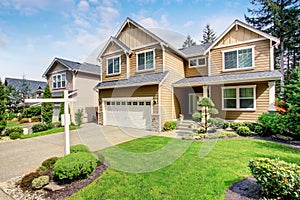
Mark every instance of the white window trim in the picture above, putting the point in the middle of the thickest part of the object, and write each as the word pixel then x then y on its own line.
pixel 237 49
pixel 59 74
pixel 145 51
pixel 197 58
pixel 113 74
pixel 238 98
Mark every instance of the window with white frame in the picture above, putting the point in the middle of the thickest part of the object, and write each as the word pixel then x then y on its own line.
pixel 113 66
pixel 59 81
pixel 197 62
pixel 145 60
pixel 239 98
pixel 238 59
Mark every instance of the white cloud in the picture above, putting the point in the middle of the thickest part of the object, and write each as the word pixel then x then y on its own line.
pixel 83 6
pixel 188 24
pixel 3 41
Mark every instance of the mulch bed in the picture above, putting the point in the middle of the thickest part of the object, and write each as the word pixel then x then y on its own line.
pixel 244 190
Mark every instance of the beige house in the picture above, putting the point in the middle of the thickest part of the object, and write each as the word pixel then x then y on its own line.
pixel 146 81
pixel 79 79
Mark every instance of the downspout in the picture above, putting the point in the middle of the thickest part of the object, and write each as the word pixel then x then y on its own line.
pixel 163 56
pixel 127 66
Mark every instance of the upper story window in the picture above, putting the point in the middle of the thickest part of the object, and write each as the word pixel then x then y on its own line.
pixel 59 80
pixel 197 62
pixel 113 66
pixel 238 59
pixel 145 60
pixel 239 98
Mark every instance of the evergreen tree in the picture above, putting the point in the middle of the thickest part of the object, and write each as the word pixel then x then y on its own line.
pixel 24 89
pixel 13 99
pixel 47 108
pixel 208 35
pixel 280 18
pixel 3 98
pixel 189 42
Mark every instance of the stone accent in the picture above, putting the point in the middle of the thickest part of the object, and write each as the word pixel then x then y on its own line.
pixel 40 182
pixel 100 118
pixel 155 123
pixel 53 187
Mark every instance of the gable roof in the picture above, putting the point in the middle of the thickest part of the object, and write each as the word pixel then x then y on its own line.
pixel 33 85
pixel 195 50
pixel 117 42
pixel 75 66
pixel 246 26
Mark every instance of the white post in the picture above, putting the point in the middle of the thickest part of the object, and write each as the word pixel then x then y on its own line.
pixel 205 90
pixel 272 96
pixel 67 131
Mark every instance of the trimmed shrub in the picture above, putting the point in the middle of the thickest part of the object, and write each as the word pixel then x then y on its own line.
pixel 32 111
pixel 24 120
pixel 226 124
pixel 199 136
pixel 14 136
pixel 277 178
pixel 40 182
pixel 56 124
pixel 79 148
pixel 227 134
pixel 216 122
pixel 27 180
pixel 11 115
pixel 79 117
pixel 200 130
pixel 273 123
pixel 259 130
pixel 236 125
pixel 36 119
pixel 243 131
pixel 75 166
pixel 170 125
pixel 40 127
pixel 49 163
pixel 250 125
pixel 13 130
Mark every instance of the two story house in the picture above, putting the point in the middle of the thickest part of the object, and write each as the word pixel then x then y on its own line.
pixel 145 81
pixel 79 79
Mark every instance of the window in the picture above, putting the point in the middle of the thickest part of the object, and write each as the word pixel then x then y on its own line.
pixel 145 60
pixel 239 98
pixel 197 62
pixel 113 66
pixel 59 81
pixel 141 103
pixel 238 59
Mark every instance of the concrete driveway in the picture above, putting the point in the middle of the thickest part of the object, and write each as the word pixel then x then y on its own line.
pixel 23 156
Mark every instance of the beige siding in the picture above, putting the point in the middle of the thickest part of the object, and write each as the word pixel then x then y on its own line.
pixel 58 68
pixel 262 103
pixel 143 91
pixel 240 35
pixel 112 47
pixel 261 58
pixel 120 76
pixel 133 37
pixel 195 71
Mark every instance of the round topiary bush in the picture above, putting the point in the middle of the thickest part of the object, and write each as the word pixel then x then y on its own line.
pixel 14 135
pixel 243 131
pixel 75 166
pixel 79 148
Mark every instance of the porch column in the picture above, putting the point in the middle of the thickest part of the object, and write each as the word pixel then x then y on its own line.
pixel 271 96
pixel 205 91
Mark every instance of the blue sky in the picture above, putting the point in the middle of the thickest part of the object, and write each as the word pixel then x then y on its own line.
pixel 33 32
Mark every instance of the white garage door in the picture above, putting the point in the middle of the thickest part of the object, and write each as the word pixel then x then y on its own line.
pixel 130 113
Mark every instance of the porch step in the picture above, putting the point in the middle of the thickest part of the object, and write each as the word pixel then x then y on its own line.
pixel 184 127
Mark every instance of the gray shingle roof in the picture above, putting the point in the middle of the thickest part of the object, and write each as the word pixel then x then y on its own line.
pixel 195 50
pixel 82 67
pixel 147 79
pixel 229 78
pixel 32 84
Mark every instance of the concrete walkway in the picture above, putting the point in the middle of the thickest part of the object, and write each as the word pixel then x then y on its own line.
pixel 23 156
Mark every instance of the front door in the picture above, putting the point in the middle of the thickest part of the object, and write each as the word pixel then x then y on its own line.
pixel 193 99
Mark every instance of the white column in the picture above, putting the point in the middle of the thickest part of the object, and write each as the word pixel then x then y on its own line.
pixel 205 91
pixel 271 96
pixel 67 123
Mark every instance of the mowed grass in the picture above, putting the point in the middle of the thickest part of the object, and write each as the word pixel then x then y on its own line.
pixel 188 177
pixel 47 132
pixel 13 124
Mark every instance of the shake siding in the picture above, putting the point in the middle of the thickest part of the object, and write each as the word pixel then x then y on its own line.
pixel 262 103
pixel 261 58
pixel 158 61
pixel 106 77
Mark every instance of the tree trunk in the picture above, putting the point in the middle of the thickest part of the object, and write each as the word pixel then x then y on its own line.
pixel 282 66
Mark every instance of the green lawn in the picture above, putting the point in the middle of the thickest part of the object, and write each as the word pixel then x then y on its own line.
pixel 189 177
pixel 12 124
pixel 47 132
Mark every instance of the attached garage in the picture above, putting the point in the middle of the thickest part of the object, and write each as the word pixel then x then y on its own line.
pixel 128 112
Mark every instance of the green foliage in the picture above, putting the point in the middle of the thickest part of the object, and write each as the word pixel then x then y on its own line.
pixel 243 131
pixel 216 122
pixel 56 124
pixel 35 119
pixel 40 182
pixel 11 115
pixel 79 117
pixel 3 100
pixel 47 108
pixel 40 127
pixel 26 181
pixel 224 134
pixel 235 125
pixel 226 124
pixel 208 35
pixel 259 130
pixel 75 166
pixel 273 123
pixel 189 42
pixel 79 148
pixel 170 125
pixel 250 125
pixel 200 130
pixel 13 130
pixel 14 136
pixel 32 111
pixel 49 163
pixel 278 179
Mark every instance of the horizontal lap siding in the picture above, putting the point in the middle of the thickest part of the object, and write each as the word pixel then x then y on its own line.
pixel 261 58
pixel 196 71
pixel 114 77
pixel 262 103
pixel 58 69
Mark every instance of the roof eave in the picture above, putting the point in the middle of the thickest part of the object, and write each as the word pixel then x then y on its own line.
pixel 51 65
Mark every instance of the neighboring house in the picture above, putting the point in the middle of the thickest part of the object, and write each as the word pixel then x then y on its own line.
pixel 79 79
pixel 33 89
pixel 146 81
